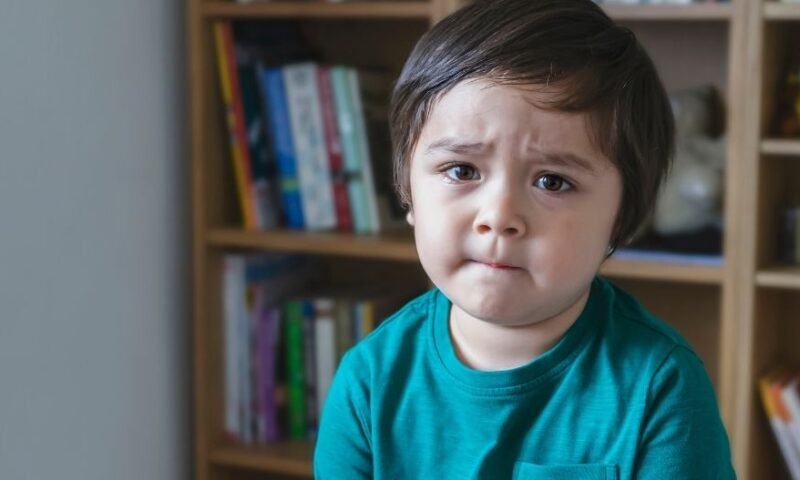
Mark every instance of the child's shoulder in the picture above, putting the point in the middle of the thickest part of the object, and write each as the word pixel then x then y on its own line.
pixel 633 328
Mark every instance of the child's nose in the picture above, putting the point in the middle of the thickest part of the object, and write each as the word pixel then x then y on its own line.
pixel 501 215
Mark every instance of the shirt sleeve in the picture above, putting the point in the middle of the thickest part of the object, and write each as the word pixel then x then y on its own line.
pixel 343 447
pixel 683 435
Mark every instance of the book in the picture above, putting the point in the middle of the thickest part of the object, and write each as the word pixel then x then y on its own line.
pixel 277 113
pixel 313 166
pixel 351 151
pixel 362 145
pixel 333 143
pixel 790 394
pixel 769 388
pixel 262 162
pixel 326 355
pixel 232 300
pixel 234 118
pixel 295 370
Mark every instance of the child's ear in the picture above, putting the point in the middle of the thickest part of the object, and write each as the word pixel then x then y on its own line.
pixel 410 217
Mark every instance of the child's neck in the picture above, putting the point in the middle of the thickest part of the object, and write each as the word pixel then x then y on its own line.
pixel 487 346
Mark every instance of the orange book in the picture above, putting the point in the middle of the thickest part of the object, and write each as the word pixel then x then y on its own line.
pixel 234 117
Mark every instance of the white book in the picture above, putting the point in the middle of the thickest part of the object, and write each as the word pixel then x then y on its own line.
pixel 233 298
pixel 366 157
pixel 308 137
pixel 791 399
pixel 325 347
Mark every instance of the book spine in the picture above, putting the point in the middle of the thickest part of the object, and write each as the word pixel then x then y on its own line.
pixel 364 153
pixel 790 393
pixel 295 370
pixel 233 297
pixel 234 118
pixel 344 328
pixel 333 143
pixel 281 133
pixel 325 346
pixel 263 184
pixel 351 155
pixel 313 166
pixel 779 428
pixel 267 345
pixel 310 364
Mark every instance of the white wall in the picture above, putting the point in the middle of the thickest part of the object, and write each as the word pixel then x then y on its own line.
pixel 94 369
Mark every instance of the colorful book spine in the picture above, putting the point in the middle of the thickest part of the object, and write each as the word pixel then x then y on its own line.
pixel 295 370
pixel 332 140
pixel 277 111
pixel 325 346
pixel 790 393
pixel 267 349
pixel 261 158
pixel 233 300
pixel 351 152
pixel 364 152
pixel 234 117
pixel 310 365
pixel 313 165
pixel 773 405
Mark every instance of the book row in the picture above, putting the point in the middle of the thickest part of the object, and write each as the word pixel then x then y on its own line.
pixel 284 334
pixel 303 140
pixel 780 396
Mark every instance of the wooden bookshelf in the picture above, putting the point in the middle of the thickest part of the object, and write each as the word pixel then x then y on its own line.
pixel 778 11
pixel 781 147
pixel 779 277
pixel 729 313
pixel 318 10
pixel 288 458
pixel 667 13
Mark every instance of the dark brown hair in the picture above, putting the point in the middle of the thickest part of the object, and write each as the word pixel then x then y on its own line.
pixel 573 47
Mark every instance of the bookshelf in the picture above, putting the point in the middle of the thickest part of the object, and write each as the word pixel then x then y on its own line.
pixel 738 315
pixel 769 293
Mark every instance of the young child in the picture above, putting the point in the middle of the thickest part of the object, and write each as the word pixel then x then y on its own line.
pixel 530 138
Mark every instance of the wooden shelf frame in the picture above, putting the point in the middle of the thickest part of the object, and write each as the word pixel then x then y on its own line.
pixel 289 458
pixel 319 10
pixel 778 11
pixel 666 13
pixel 774 146
pixel 785 277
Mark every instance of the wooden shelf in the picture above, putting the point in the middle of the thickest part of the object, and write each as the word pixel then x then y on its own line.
pixel 780 147
pixel 394 246
pixel 781 11
pixel 663 271
pixel 697 12
pixel 400 246
pixel 373 10
pixel 787 277
pixel 288 458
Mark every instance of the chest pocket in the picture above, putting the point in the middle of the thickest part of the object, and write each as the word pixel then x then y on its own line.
pixel 532 471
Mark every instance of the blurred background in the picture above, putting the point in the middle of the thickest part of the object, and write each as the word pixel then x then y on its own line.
pixel 197 220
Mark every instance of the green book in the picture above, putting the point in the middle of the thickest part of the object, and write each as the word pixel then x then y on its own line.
pixel 295 370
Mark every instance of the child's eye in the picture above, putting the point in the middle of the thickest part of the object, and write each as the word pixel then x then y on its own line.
pixel 461 172
pixel 553 183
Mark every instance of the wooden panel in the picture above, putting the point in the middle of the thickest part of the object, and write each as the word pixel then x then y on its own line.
pixel 692 310
pixel 663 271
pixel 787 277
pixel 686 54
pixel 361 10
pixel 293 458
pixel 777 11
pixel 781 147
pixel 699 12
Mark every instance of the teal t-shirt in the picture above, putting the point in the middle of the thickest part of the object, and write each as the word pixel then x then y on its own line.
pixel 620 395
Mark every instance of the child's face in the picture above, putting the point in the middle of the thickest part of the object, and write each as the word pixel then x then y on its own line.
pixel 513 206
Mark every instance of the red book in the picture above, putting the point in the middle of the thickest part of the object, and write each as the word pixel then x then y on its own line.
pixel 333 144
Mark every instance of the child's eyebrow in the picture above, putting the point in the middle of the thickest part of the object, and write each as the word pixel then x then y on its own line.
pixel 452 145
pixel 566 159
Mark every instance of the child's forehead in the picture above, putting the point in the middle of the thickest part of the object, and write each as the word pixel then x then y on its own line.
pixel 477 114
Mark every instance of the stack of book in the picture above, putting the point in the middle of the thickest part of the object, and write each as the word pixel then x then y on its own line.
pixel 780 395
pixel 305 139
pixel 282 346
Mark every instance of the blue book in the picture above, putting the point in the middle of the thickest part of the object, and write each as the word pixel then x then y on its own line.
pixel 279 128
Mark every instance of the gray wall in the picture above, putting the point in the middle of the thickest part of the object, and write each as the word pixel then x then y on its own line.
pixel 93 317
